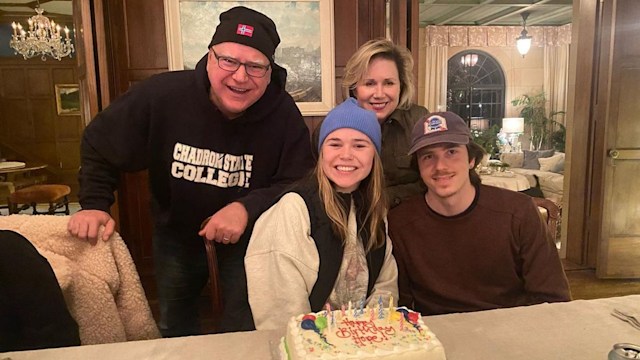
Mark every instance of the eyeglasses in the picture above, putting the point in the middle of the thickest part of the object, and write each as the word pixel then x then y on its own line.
pixel 232 65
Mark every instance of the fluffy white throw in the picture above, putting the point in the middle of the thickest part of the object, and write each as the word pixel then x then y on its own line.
pixel 100 283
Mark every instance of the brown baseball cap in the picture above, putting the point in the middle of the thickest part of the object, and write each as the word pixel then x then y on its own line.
pixel 437 128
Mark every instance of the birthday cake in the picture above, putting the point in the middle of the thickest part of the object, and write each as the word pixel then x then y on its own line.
pixel 372 333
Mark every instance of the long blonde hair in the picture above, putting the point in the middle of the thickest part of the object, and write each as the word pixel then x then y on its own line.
pixel 374 201
pixel 358 65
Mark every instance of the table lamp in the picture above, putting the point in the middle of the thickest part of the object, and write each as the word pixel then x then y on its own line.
pixel 513 127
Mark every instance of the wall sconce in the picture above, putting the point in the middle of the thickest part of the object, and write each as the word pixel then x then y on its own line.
pixel 523 42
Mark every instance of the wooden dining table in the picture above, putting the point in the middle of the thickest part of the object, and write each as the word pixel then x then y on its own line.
pixel 9 169
pixel 17 174
pixel 580 329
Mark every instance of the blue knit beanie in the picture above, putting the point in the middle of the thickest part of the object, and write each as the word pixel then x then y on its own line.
pixel 350 115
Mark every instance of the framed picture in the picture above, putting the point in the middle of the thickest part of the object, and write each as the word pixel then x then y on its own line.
pixel 68 99
pixel 306 42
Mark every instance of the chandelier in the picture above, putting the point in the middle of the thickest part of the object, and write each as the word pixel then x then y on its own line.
pixel 469 60
pixel 523 42
pixel 42 38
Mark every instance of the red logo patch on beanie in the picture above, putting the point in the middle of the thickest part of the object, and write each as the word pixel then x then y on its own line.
pixel 244 30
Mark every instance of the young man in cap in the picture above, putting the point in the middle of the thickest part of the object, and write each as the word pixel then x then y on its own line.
pixel 464 246
pixel 220 143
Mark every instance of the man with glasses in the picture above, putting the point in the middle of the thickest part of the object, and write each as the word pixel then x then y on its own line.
pixel 220 143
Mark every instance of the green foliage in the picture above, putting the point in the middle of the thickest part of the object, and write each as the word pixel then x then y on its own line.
pixel 535 117
pixel 488 139
pixel 558 138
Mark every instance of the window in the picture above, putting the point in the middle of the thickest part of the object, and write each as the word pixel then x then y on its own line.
pixel 475 87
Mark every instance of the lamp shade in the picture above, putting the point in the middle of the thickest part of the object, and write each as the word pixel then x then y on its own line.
pixel 513 125
pixel 523 44
pixel 479 123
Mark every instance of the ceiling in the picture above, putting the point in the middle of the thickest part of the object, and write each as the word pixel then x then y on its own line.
pixel 432 12
pixel 26 7
pixel 495 12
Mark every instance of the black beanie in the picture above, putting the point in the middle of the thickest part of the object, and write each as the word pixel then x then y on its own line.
pixel 247 27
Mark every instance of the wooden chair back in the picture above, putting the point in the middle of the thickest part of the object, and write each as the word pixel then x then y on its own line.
pixel 214 282
pixel 553 213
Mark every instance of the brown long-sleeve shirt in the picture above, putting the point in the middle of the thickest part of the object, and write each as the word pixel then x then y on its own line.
pixel 496 254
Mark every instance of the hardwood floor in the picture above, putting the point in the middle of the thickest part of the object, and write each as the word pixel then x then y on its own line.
pixel 585 285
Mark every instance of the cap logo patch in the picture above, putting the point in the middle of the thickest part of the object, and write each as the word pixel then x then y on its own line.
pixel 435 123
pixel 244 30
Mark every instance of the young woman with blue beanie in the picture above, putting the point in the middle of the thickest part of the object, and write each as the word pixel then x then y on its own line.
pixel 325 241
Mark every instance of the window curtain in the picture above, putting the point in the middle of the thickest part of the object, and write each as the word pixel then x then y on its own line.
pixel 556 78
pixel 435 82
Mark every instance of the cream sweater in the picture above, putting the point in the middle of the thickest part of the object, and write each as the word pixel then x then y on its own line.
pixel 100 283
pixel 282 265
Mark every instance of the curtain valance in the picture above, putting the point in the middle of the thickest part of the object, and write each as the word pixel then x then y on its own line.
pixel 483 36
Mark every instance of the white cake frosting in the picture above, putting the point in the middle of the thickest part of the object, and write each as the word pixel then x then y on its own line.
pixel 373 333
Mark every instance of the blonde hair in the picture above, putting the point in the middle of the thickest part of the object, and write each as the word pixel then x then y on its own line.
pixel 374 201
pixel 358 65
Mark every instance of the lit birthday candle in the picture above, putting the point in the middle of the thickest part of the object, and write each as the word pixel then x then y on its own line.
pixel 329 314
pixel 401 323
pixel 380 308
pixel 342 308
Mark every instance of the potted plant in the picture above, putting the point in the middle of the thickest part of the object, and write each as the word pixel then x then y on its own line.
pixel 535 117
pixel 487 139
pixel 558 138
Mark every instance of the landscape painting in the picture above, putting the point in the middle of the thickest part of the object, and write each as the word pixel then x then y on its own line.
pixel 305 50
pixel 67 99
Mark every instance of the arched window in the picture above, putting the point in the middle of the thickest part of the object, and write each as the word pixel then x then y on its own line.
pixel 475 87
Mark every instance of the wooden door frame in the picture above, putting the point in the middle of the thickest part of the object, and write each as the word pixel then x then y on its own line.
pixel 404 30
pixel 588 105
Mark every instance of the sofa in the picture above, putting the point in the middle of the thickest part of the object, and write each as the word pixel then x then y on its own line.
pixel 546 165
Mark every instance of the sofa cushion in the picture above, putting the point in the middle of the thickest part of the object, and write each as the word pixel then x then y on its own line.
pixel 514 159
pixel 550 163
pixel 531 158
pixel 559 168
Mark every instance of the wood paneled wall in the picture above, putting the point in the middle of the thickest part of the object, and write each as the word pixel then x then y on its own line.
pixel 30 127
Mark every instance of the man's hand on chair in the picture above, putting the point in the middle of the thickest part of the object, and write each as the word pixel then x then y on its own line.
pixel 227 225
pixel 85 224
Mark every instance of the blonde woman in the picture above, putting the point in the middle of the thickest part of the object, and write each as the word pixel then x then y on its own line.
pixel 325 241
pixel 379 76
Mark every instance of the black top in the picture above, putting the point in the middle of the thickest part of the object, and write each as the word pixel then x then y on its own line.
pixel 198 160
pixel 33 314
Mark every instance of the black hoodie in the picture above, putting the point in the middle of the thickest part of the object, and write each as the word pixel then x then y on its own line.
pixel 198 160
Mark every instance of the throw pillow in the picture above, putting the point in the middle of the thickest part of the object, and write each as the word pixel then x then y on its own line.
pixel 559 168
pixel 514 159
pixel 548 164
pixel 531 158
